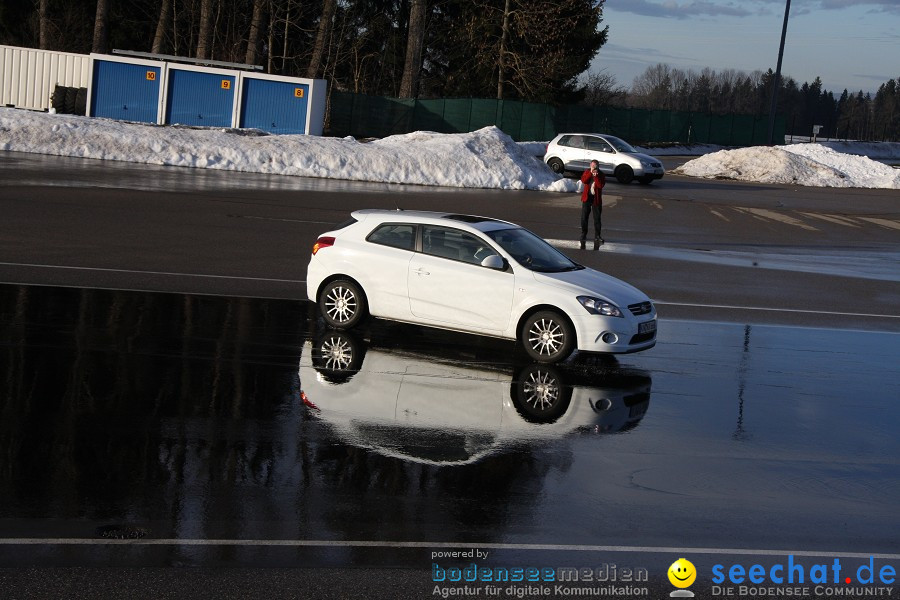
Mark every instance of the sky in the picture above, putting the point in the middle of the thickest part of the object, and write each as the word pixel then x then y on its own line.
pixel 852 44
pixel 487 158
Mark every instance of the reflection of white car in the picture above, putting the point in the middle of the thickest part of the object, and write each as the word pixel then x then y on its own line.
pixel 427 409
pixel 575 151
pixel 476 275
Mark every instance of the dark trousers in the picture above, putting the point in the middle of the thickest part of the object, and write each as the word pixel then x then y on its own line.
pixel 585 212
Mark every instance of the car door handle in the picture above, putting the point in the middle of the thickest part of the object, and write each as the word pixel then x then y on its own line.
pixel 421 271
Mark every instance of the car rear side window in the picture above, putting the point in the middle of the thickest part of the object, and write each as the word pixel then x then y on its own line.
pixel 395 235
pixel 573 141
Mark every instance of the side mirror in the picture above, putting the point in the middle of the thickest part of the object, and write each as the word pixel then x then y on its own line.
pixel 494 261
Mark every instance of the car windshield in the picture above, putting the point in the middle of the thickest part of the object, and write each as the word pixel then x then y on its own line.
pixel 619 145
pixel 531 251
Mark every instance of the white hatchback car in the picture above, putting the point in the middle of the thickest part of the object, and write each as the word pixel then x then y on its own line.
pixel 476 275
pixel 575 151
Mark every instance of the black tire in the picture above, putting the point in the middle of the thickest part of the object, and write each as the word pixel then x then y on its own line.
pixel 58 99
pixel 556 166
pixel 547 337
pixel 71 93
pixel 81 101
pixel 539 394
pixel 342 304
pixel 337 355
pixel 624 174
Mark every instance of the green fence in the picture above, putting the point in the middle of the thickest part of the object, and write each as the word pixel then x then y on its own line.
pixel 363 116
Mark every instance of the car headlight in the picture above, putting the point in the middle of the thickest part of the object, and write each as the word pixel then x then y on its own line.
pixel 646 164
pixel 596 306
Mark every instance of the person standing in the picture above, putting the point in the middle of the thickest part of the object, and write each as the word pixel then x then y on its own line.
pixel 592 201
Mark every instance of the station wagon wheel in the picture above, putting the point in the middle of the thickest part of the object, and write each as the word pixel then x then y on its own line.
pixel 556 165
pixel 342 304
pixel 547 337
pixel 624 174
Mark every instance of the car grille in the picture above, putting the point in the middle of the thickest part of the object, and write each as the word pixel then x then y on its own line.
pixel 640 309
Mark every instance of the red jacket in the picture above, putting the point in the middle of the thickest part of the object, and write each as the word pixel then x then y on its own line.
pixel 599 181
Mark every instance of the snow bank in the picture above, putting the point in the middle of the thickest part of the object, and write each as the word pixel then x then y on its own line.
pixel 487 158
pixel 801 164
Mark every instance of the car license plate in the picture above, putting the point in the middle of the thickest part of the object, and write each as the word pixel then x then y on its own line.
pixel 647 327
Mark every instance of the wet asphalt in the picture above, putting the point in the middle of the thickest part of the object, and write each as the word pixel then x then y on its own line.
pixel 161 444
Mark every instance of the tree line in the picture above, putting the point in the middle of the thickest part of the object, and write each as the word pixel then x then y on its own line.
pixel 510 49
pixel 532 50
pixel 850 115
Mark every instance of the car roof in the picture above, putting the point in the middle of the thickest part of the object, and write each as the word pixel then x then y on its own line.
pixel 462 221
pixel 589 133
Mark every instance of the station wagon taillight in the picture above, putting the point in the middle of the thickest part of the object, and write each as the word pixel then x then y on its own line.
pixel 322 242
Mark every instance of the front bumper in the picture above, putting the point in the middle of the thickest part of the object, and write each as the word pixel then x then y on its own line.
pixel 649 173
pixel 616 335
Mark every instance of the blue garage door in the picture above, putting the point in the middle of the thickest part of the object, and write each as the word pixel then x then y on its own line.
pixel 196 98
pixel 125 91
pixel 274 106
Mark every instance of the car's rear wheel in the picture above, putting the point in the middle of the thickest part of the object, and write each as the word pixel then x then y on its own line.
pixel 342 304
pixel 556 165
pixel 337 355
pixel 624 174
pixel 547 337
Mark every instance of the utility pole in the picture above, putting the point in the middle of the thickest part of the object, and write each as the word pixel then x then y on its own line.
pixel 777 82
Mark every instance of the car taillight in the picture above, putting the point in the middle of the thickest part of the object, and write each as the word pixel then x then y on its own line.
pixel 322 242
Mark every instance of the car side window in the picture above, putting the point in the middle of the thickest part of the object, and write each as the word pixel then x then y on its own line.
pixel 598 145
pixel 454 244
pixel 576 141
pixel 395 235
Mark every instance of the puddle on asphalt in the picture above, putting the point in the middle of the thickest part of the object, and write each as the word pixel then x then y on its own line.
pixel 181 414
pixel 861 264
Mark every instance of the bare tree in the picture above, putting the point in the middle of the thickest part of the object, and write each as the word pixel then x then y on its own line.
pixel 601 89
pixel 100 27
pixel 322 34
pixel 44 25
pixel 162 26
pixel 504 37
pixel 205 36
pixel 256 25
pixel 653 88
pixel 409 84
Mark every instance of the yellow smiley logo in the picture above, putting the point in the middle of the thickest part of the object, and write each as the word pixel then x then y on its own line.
pixel 682 573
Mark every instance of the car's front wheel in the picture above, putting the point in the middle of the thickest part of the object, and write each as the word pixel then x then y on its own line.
pixel 539 395
pixel 624 174
pixel 556 165
pixel 548 337
pixel 342 304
